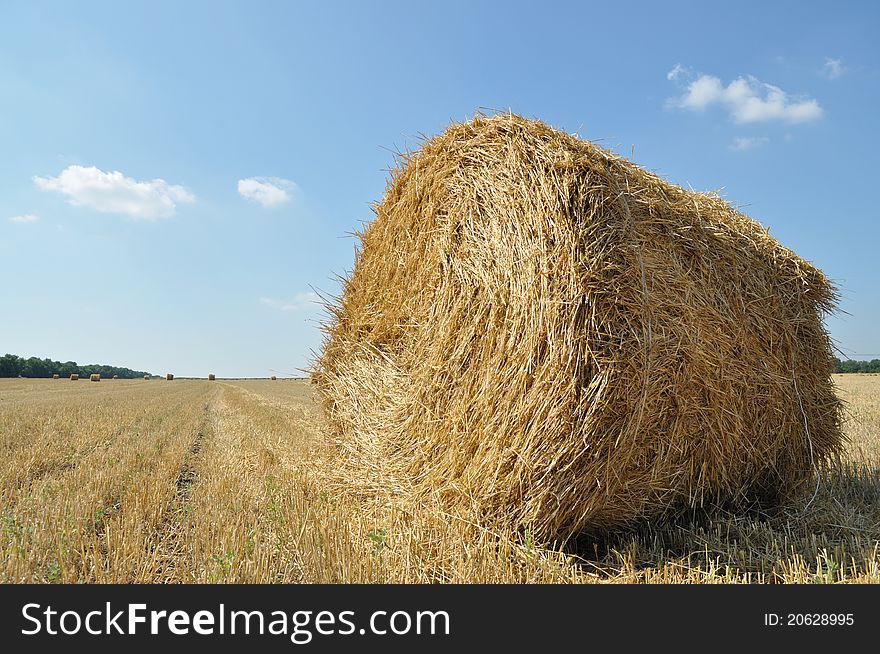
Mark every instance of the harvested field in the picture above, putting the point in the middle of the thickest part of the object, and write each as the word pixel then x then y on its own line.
pixel 227 482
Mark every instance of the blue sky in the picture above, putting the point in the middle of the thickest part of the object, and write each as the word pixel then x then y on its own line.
pixel 177 178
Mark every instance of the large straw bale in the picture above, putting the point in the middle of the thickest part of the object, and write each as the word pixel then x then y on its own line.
pixel 542 331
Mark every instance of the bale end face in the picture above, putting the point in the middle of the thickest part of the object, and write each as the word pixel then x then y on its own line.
pixel 74 377
pixel 169 377
pixel 212 377
pixel 273 378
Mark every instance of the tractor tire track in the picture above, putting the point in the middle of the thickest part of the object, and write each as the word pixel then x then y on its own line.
pixel 169 551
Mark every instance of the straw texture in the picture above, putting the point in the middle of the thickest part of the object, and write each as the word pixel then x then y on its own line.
pixel 552 338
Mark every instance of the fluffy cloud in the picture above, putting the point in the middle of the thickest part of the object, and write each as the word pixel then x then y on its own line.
pixel 747 99
pixel 25 218
pixel 748 142
pixel 113 192
pixel 300 302
pixel 833 68
pixel 267 191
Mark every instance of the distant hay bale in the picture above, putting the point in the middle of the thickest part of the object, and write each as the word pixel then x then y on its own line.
pixel 56 376
pixel 95 377
pixel 74 377
pixel 273 378
pixel 542 331
pixel 115 376
pixel 169 377
pixel 147 377
pixel 211 377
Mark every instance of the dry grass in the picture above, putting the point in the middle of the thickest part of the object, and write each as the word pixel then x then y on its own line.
pixel 198 482
pixel 541 335
pixel 88 475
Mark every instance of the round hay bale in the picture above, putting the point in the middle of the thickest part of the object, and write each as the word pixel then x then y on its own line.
pixel 115 376
pixel 169 377
pixel 74 377
pixel 211 377
pixel 147 377
pixel 542 331
pixel 56 376
pixel 273 377
pixel 95 377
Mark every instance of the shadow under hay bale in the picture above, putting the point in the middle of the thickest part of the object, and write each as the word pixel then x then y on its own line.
pixel 543 331
pixel 838 521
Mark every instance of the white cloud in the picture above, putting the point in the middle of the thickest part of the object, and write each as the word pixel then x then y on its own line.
pixel 300 302
pixel 748 142
pixel 677 71
pixel 833 68
pixel 267 191
pixel 113 192
pixel 747 100
pixel 25 218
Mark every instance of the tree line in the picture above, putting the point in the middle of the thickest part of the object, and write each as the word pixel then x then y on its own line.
pixel 15 366
pixel 856 366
